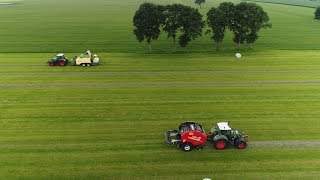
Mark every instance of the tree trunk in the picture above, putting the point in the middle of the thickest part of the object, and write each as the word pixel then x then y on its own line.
pixel 218 45
pixel 250 45
pixel 174 46
pixel 239 44
pixel 150 47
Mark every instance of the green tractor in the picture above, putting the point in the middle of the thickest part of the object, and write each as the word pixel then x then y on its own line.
pixel 222 135
pixel 59 60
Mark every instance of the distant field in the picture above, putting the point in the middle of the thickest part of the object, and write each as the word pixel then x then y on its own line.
pixel 106 26
pixel 304 3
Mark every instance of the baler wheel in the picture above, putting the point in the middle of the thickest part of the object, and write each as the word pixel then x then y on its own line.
pixel 88 64
pixel 186 146
pixel 220 144
pixel 83 64
pixel 62 63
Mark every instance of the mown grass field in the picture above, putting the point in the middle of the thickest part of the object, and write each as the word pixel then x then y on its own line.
pixel 108 121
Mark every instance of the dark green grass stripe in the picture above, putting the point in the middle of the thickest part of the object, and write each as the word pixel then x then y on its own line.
pixel 152 145
pixel 162 84
pixel 158 73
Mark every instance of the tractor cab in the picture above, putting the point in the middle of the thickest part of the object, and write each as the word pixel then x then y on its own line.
pixel 222 128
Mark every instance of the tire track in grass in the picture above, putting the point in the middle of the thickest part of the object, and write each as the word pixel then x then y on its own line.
pixel 156 73
pixel 251 144
pixel 159 84
pixel 284 144
pixel 21 65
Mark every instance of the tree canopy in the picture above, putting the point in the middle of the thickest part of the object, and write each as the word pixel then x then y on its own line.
pixel 184 20
pixel 244 20
pixel 317 13
pixel 247 21
pixel 147 22
pixel 218 22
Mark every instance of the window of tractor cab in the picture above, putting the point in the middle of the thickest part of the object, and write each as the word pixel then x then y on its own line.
pixel 191 126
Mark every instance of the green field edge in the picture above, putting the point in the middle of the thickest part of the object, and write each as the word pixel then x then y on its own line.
pixel 280 3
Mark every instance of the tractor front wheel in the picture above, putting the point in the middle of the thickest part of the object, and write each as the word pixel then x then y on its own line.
pixel 220 144
pixel 240 144
pixel 62 63
pixel 51 64
pixel 186 146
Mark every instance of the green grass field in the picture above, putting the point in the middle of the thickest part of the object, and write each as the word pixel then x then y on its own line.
pixel 108 121
pixel 106 26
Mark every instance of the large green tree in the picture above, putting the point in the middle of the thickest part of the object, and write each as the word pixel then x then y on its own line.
pixel 247 21
pixel 147 22
pixel 185 20
pixel 217 22
pixel 219 19
pixel 317 13
pixel 172 24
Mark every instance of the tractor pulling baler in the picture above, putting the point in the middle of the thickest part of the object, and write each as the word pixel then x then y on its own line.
pixel 191 135
pixel 85 59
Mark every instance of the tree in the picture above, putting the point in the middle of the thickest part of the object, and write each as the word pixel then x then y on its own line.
pixel 192 24
pixel 199 2
pixel 184 20
pixel 147 22
pixel 317 13
pixel 172 24
pixel 218 22
pixel 229 10
pixel 247 21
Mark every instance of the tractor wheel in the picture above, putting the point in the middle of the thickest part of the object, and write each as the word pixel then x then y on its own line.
pixel 51 64
pixel 186 146
pixel 220 144
pixel 240 143
pixel 62 63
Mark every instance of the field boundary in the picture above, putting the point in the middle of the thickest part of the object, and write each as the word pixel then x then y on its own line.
pixel 282 3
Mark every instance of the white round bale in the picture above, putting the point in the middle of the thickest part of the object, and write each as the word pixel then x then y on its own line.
pixel 238 55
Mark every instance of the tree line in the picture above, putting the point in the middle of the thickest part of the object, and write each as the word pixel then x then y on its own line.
pixel 183 23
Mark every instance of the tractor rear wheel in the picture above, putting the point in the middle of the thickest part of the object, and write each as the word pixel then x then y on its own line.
pixel 186 146
pixel 220 144
pixel 62 63
pixel 240 143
